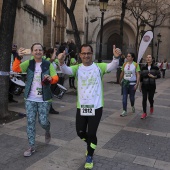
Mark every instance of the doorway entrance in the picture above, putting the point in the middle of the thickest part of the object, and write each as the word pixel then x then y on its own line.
pixel 114 39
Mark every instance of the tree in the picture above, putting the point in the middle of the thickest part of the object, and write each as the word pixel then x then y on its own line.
pixel 137 8
pixel 124 2
pixel 6 37
pixel 156 13
pixel 151 12
pixel 70 12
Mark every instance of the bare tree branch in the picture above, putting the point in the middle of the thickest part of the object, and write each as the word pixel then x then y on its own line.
pixel 65 6
pixel 71 15
pixel 73 5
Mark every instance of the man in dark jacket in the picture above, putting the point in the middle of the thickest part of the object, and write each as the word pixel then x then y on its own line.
pixel 72 47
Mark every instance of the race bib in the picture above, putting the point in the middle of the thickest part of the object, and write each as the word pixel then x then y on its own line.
pixel 128 75
pixel 38 92
pixel 87 110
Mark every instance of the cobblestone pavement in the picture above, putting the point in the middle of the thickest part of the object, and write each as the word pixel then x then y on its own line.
pixel 124 143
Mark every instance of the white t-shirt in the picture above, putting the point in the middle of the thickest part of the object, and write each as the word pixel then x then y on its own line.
pixel 149 68
pixel 89 86
pixel 89 79
pixel 164 65
pixel 130 73
pixel 36 88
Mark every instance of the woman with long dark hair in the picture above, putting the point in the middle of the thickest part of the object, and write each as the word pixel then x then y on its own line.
pixel 129 80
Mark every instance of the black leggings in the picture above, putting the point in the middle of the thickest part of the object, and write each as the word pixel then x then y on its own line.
pixel 86 127
pixel 71 81
pixel 163 72
pixel 147 92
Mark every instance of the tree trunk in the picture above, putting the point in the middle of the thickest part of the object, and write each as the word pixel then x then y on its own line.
pixel 124 2
pixel 6 37
pixel 70 12
pixel 75 30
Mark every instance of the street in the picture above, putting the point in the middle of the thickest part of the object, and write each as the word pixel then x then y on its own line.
pixel 124 143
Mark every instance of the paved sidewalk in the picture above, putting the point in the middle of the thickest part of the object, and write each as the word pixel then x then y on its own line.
pixel 127 143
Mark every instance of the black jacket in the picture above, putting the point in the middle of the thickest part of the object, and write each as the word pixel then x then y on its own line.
pixel 145 79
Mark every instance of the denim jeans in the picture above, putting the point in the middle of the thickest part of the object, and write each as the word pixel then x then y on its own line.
pixel 32 108
pixel 131 91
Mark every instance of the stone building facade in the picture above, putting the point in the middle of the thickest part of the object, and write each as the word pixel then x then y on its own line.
pixel 46 21
pixel 111 31
pixel 86 10
pixel 41 21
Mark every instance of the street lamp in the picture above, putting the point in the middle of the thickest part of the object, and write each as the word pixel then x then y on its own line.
pixel 159 41
pixel 103 7
pixel 142 28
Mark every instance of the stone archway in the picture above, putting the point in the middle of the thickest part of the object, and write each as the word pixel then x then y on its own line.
pixel 111 27
pixel 114 39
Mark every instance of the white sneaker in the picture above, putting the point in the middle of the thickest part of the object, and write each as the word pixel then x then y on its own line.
pixel 29 152
pixel 123 114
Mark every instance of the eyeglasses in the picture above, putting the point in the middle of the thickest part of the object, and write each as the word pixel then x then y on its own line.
pixel 89 53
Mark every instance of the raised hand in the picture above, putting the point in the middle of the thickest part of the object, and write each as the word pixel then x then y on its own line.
pixel 61 57
pixel 116 51
pixel 53 57
pixel 21 52
pixel 151 76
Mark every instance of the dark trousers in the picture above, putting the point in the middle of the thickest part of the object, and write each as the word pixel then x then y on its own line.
pixel 86 127
pixel 11 89
pixel 147 92
pixel 71 81
pixel 163 73
pixel 119 70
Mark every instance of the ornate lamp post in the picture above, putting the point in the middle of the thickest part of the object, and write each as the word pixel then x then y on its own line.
pixel 103 7
pixel 142 28
pixel 159 41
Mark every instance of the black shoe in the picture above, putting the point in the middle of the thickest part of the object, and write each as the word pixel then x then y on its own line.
pixel 12 100
pixel 52 111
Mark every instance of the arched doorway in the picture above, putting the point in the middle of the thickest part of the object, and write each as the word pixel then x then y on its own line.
pixel 114 39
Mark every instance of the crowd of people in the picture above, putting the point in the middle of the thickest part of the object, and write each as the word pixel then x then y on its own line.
pixel 47 67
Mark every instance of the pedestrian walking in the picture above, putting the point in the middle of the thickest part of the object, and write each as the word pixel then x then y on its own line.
pixel 14 54
pixel 90 95
pixel 149 73
pixel 72 62
pixel 38 96
pixel 164 65
pixel 129 80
